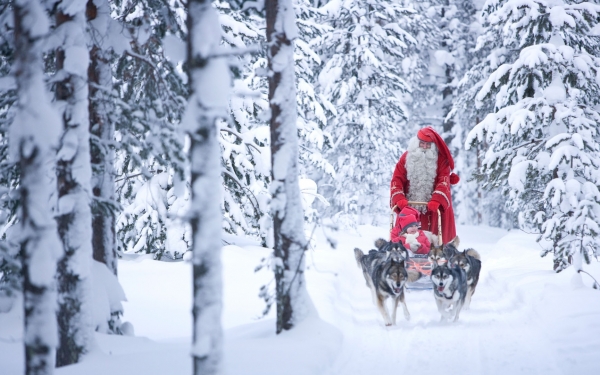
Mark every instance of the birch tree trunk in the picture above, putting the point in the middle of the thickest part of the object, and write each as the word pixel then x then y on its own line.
pixel 210 84
pixel 33 136
pixel 286 204
pixel 73 171
pixel 102 129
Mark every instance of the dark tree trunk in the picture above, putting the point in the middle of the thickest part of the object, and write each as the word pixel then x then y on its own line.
pixel 73 174
pixel 286 205
pixel 101 153
pixel 37 228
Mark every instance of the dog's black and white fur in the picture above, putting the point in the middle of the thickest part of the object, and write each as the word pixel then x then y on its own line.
pixel 386 276
pixel 468 260
pixel 450 290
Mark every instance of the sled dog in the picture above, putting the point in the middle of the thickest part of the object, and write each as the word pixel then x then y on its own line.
pixel 449 290
pixel 386 276
pixel 439 255
pixel 470 262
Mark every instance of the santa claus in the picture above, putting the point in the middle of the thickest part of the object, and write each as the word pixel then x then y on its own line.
pixel 423 174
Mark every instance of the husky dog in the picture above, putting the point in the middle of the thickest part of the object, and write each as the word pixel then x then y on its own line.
pixel 436 256
pixel 469 261
pixel 385 251
pixel 439 254
pixel 449 290
pixel 386 276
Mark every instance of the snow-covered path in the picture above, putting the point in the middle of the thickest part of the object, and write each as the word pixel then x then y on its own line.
pixel 524 319
pixel 519 322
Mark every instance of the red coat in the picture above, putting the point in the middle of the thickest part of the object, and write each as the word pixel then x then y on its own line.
pixel 400 186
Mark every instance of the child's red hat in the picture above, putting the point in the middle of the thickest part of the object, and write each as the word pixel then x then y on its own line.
pixel 408 210
pixel 407 221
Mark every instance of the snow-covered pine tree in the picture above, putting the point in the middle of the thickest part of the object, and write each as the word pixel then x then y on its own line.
pixel 151 97
pixel 9 173
pixel 452 58
pixel 542 133
pixel 474 203
pixel 34 136
pixel 244 139
pixel 104 205
pixel 313 109
pixel 289 243
pixel 104 40
pixel 245 148
pixel 210 82
pixel 372 58
pixel 151 223
pixel 428 77
pixel 73 175
pixel 459 29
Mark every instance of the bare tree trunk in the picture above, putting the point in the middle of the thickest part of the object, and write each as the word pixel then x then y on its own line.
pixel 73 171
pixel 286 204
pixel 33 136
pixel 102 129
pixel 210 84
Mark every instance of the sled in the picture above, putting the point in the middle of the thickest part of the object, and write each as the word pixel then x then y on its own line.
pixel 420 262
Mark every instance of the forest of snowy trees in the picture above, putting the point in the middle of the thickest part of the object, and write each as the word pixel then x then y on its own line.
pixel 168 127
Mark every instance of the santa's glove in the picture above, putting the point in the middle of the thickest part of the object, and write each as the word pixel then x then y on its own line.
pixel 433 206
pixel 402 202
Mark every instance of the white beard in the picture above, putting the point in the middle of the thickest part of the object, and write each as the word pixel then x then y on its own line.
pixel 421 170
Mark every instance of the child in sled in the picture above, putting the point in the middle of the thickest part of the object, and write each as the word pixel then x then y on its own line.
pixel 408 233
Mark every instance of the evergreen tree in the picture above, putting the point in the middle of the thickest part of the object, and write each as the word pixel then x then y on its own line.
pixel 459 29
pixel 151 223
pixel 245 141
pixel 33 137
pixel 542 132
pixel 210 85
pixel 313 109
pixel 73 177
pixel 244 138
pixel 456 21
pixel 104 38
pixel 373 58
pixel 104 206
pixel 150 99
pixel 289 243
pixel 9 171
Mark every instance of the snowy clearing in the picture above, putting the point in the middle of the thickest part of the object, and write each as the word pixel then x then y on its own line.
pixel 524 318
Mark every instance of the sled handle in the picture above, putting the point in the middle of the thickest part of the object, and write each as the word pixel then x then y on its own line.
pixel 415 203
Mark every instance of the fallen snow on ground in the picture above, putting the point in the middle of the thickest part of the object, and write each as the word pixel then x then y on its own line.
pixel 524 318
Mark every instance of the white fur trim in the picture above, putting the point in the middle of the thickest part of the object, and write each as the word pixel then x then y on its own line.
pixel 443 195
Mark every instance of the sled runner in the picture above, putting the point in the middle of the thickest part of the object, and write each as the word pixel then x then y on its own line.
pixel 420 262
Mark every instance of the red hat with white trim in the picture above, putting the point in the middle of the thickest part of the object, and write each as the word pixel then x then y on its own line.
pixel 407 221
pixel 428 134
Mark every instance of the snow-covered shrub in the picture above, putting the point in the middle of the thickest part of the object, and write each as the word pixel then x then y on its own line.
pixel 153 222
pixel 107 297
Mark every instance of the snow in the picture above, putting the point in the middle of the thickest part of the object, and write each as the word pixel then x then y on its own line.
pixel 35 19
pixel 555 92
pixel 108 295
pixel 175 48
pixel 72 7
pixel 524 318
pixel 444 58
pixel 77 60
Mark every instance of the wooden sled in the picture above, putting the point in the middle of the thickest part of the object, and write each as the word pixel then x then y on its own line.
pixel 420 262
